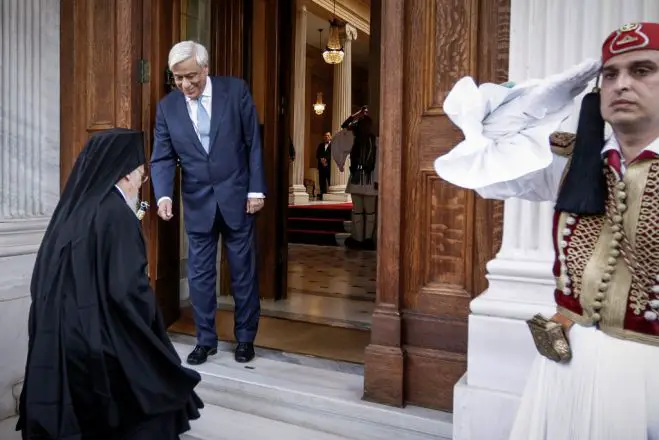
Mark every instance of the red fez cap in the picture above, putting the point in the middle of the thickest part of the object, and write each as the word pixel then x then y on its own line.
pixel 631 37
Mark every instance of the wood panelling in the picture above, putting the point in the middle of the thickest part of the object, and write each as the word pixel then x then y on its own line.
pixel 100 49
pixel 161 31
pixel 227 38
pixel 102 43
pixel 272 248
pixel 434 238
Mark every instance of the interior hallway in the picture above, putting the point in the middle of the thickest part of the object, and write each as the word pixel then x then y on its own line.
pixel 327 314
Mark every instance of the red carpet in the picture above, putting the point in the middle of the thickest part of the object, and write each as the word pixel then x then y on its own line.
pixel 317 223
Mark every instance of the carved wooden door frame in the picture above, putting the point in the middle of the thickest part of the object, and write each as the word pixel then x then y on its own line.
pixel 431 255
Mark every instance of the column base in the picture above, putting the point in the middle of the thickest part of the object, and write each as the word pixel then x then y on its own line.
pixel 297 195
pixel 501 350
pixel 337 194
pixel 490 416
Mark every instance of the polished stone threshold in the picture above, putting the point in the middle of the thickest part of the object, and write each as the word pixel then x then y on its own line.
pixel 315 309
pixel 225 350
pixel 322 400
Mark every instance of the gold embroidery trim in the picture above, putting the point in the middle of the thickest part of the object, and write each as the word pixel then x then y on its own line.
pixel 580 249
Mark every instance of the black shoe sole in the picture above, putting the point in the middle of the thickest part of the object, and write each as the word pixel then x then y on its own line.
pixel 245 360
pixel 199 361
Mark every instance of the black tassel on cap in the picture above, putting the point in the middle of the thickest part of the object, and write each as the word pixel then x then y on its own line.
pixel 584 190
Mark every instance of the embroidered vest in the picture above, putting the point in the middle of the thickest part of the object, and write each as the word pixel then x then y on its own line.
pixel 607 266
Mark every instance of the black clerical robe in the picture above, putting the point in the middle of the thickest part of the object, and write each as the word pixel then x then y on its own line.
pixel 100 364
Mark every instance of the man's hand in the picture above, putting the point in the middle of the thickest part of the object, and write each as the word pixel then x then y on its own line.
pixel 323 161
pixel 254 205
pixel 165 210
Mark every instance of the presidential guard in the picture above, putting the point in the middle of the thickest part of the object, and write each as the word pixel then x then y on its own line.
pixel 595 374
pixel 357 141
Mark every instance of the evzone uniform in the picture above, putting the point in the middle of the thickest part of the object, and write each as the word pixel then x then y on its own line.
pixel 606 258
pixel 356 140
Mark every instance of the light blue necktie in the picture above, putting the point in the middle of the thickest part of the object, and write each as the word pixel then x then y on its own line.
pixel 203 125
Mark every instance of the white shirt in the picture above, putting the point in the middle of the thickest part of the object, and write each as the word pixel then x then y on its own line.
pixel 121 192
pixel 206 99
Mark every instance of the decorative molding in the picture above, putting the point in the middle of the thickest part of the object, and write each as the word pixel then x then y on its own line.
pixel 350 32
pixel 22 237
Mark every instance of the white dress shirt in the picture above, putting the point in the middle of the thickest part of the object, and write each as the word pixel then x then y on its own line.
pixel 121 192
pixel 206 99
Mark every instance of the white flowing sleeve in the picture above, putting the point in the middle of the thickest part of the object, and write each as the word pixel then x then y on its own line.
pixel 341 146
pixel 506 151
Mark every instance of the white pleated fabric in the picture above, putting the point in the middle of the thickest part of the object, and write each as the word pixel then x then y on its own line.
pixel 500 123
pixel 608 391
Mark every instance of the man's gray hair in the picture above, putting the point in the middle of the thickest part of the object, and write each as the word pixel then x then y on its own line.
pixel 185 50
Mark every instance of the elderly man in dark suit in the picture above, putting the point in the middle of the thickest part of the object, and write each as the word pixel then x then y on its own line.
pixel 210 126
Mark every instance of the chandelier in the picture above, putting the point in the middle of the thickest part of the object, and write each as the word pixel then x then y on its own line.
pixel 319 106
pixel 333 53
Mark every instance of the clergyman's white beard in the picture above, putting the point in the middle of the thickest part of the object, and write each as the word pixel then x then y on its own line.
pixel 132 202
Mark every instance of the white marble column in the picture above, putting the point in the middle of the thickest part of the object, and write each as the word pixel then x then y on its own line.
pixel 341 109
pixel 297 192
pixel 521 283
pixel 29 167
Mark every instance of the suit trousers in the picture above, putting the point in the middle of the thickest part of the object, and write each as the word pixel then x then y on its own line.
pixel 323 178
pixel 202 279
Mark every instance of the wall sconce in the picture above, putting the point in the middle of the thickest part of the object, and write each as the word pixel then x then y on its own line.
pixel 319 106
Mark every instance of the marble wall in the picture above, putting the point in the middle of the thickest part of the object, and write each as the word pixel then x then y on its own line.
pixel 29 167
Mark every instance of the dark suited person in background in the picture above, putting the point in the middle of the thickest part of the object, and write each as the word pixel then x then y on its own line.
pixel 324 157
pixel 210 125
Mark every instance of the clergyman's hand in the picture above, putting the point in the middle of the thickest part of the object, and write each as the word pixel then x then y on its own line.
pixel 254 205
pixel 165 210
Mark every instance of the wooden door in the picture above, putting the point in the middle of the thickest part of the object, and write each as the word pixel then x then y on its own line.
pixel 107 51
pixel 161 26
pixel 434 239
pixel 100 52
pixel 247 43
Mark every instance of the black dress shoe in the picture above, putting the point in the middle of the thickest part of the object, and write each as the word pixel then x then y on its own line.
pixel 244 352
pixel 200 354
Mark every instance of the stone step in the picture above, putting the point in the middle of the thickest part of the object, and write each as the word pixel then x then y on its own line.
pixel 313 398
pixel 219 423
pixel 341 238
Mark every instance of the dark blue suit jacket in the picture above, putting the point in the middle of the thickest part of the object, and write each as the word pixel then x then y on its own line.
pixel 223 177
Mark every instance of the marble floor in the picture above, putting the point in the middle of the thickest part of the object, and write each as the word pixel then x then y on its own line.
pixel 332 271
pixel 326 285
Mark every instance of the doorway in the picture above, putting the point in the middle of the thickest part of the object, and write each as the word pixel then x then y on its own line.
pixel 316 300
